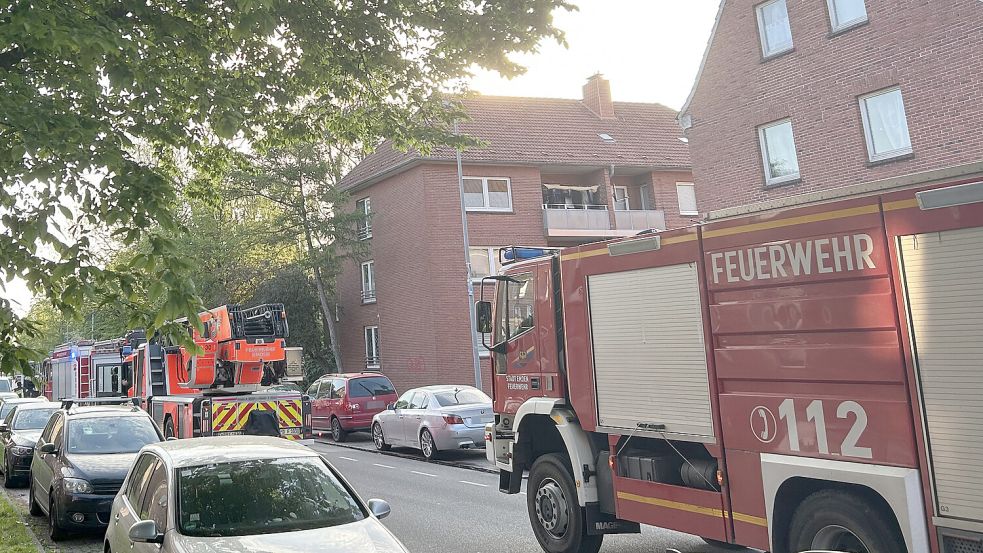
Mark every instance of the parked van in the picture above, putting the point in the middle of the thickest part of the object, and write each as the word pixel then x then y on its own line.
pixel 343 403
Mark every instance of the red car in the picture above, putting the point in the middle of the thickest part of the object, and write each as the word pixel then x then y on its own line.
pixel 343 403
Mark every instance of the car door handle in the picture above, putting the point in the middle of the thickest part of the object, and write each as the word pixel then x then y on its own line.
pixel 116 518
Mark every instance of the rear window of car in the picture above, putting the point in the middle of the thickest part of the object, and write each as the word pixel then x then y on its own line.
pixel 262 496
pixel 466 396
pixel 32 419
pixel 106 435
pixel 370 386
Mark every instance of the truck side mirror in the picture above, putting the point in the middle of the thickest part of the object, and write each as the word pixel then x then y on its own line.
pixel 483 316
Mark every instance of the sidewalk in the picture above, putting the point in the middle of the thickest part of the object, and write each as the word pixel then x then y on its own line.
pixel 36 529
pixel 15 535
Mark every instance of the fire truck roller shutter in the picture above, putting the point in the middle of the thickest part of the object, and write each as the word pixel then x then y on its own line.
pixel 944 293
pixel 649 356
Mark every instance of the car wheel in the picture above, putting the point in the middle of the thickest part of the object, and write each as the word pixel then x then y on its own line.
pixel 379 439
pixel 557 519
pixel 34 508
pixel 169 428
pixel 427 445
pixel 8 479
pixel 55 532
pixel 338 433
pixel 841 521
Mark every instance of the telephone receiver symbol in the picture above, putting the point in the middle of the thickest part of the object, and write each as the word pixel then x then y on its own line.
pixel 765 432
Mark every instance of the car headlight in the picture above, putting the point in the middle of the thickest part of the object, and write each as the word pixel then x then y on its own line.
pixel 76 485
pixel 21 450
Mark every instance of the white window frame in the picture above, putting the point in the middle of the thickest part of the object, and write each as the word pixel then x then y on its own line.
pixel 615 199
pixel 365 225
pixel 871 155
pixel 834 21
pixel 769 180
pixel 679 203
pixel 371 335
pixel 368 294
pixel 492 261
pixel 762 31
pixel 484 194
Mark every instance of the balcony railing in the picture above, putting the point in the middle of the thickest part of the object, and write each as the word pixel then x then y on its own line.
pixel 373 363
pixel 594 221
pixel 368 296
pixel 364 231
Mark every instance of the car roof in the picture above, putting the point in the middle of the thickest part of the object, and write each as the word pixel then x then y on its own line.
pixel 19 400
pixel 444 387
pixel 27 405
pixel 352 375
pixel 193 452
pixel 92 412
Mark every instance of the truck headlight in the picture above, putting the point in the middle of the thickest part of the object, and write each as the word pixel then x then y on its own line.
pixel 21 450
pixel 77 485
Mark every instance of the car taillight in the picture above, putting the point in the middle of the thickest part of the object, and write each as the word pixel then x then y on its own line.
pixel 453 419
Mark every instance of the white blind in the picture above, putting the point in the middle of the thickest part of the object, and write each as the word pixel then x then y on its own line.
pixel 686 193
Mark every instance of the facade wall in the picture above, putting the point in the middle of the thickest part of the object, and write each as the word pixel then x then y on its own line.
pixel 930 49
pixel 664 192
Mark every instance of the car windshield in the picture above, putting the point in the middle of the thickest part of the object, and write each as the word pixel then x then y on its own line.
pixel 4 385
pixel 104 435
pixel 262 496
pixel 32 419
pixel 463 396
pixel 370 386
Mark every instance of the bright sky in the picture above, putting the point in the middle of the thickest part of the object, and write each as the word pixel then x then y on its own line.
pixel 650 50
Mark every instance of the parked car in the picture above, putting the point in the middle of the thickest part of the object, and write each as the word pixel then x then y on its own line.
pixel 343 403
pixel 434 418
pixel 8 405
pixel 19 431
pixel 248 494
pixel 80 462
pixel 8 388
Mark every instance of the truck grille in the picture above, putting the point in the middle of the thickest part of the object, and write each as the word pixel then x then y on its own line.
pixel 956 544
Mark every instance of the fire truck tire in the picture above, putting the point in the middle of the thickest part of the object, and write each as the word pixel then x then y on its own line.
pixel 558 521
pixel 169 428
pixel 379 439
pixel 338 433
pixel 32 503
pixel 837 520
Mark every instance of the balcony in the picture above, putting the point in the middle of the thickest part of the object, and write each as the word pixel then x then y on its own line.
pixel 368 295
pixel 594 221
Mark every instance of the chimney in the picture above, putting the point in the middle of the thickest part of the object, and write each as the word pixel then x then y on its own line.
pixel 597 96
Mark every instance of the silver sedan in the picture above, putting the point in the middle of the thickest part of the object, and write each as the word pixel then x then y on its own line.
pixel 434 418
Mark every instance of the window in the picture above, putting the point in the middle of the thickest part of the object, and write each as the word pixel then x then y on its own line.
pixel 372 360
pixel 487 194
pixel 368 282
pixel 419 401
pixel 461 396
pixel 686 195
pixel 885 125
pixel 846 13
pixel 155 499
pixel 312 391
pixel 484 262
pixel 138 478
pixel 774 28
pixel 621 198
pixel 337 390
pixel 778 151
pixel 370 386
pixel 109 435
pixel 404 400
pixel 364 207
pixel 516 307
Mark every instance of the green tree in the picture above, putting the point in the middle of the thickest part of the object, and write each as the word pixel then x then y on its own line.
pixel 106 104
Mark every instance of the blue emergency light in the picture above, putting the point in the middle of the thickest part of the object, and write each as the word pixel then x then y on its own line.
pixel 513 254
pixel 127 350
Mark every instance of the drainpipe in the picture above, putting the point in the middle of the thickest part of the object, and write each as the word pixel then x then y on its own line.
pixel 467 260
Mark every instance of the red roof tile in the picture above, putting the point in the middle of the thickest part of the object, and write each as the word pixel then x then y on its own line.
pixel 548 131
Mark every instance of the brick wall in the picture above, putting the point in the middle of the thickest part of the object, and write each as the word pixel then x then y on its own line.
pixel 930 49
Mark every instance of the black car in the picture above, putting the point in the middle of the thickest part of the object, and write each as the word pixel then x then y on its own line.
pixel 80 462
pixel 19 431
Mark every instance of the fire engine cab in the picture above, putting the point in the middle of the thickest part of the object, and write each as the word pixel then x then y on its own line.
pixel 792 376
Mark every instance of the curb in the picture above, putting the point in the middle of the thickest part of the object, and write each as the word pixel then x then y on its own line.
pixel 27 526
pixel 488 470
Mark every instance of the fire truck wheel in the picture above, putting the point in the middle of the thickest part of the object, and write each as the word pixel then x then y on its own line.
pixel 836 520
pixel 557 519
pixel 379 439
pixel 169 428
pixel 338 433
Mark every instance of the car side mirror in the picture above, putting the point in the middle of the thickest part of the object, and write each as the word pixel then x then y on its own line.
pixel 145 531
pixel 380 508
pixel 48 448
pixel 4 427
pixel 483 316
pixel 391 407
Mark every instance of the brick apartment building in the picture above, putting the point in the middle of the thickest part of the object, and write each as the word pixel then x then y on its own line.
pixel 798 96
pixel 552 172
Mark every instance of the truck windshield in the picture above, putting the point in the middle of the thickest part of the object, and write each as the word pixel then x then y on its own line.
pixel 262 496
pixel 516 307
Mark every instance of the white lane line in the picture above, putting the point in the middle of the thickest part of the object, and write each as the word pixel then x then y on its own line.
pixel 383 466
pixel 423 473
pixel 473 483
pixel 347 458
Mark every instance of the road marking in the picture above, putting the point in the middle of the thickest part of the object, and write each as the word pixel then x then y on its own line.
pixel 423 473
pixel 347 458
pixel 383 466
pixel 473 483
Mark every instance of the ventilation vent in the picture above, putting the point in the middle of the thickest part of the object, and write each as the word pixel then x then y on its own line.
pixel 955 544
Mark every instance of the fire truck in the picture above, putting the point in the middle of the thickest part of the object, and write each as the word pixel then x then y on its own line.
pixel 220 390
pixel 67 370
pixel 796 375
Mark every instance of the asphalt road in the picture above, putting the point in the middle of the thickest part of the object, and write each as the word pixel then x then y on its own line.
pixel 443 509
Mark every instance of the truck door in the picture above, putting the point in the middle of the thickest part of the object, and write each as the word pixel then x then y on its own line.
pixel 518 366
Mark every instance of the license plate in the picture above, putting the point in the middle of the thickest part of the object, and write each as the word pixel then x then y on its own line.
pixel 291 431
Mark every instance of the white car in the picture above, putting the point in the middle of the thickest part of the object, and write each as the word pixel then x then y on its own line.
pixel 248 494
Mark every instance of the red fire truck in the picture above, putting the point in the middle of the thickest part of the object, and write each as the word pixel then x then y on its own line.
pixel 219 392
pixel 800 375
pixel 67 371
